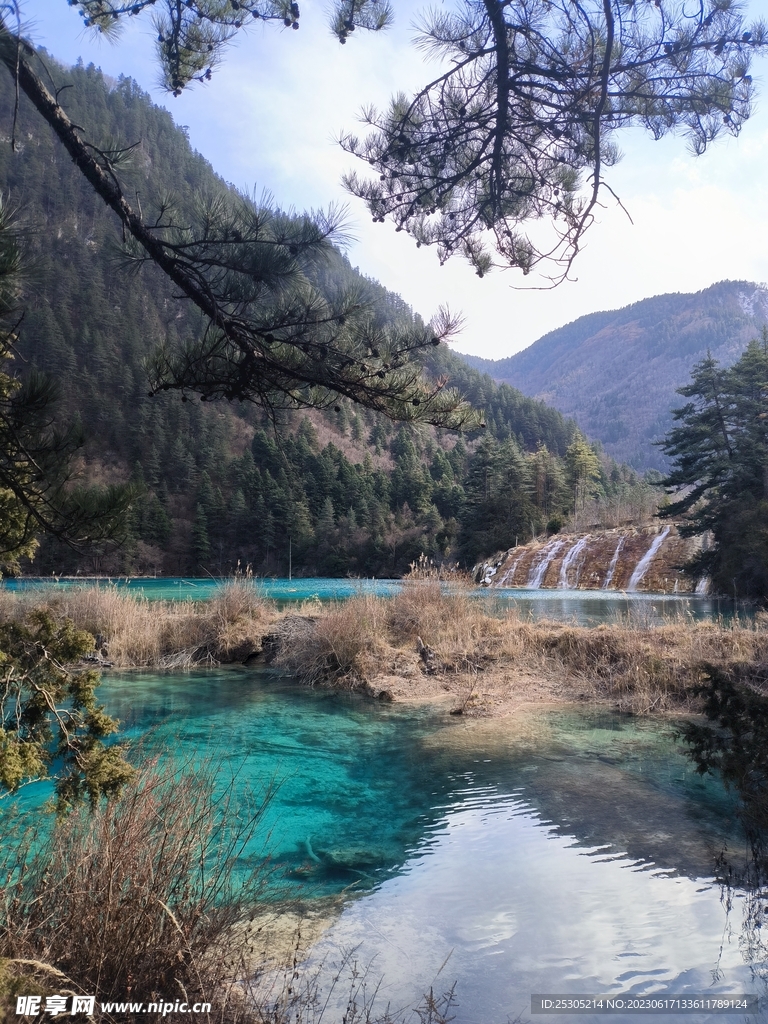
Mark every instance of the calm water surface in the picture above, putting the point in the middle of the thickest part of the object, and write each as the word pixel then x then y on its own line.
pixel 557 851
pixel 584 607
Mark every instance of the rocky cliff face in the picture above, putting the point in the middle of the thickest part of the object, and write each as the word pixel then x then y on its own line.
pixel 631 559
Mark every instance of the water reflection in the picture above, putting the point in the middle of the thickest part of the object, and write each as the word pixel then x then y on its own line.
pixel 594 607
pixel 617 784
pixel 590 871
pixel 733 745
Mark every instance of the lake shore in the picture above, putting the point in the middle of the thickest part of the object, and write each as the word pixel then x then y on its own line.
pixel 423 644
pixel 500 673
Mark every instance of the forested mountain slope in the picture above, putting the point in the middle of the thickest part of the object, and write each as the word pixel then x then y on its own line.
pixel 352 491
pixel 616 372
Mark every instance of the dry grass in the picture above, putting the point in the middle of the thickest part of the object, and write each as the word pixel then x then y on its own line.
pixel 340 645
pixel 351 642
pixel 138 632
pixel 450 621
pixel 641 668
pixel 427 641
pixel 433 640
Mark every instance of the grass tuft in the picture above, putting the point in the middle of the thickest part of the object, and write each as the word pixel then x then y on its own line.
pixel 431 638
pixel 137 632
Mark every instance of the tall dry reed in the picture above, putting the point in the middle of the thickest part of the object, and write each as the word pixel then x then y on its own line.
pixel 138 632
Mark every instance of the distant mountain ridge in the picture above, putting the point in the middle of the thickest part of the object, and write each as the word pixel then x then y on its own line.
pixel 616 372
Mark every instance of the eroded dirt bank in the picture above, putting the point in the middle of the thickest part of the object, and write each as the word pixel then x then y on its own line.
pixel 424 644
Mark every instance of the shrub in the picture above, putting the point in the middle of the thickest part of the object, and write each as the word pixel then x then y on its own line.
pixel 137 900
pixel 340 645
pixel 49 712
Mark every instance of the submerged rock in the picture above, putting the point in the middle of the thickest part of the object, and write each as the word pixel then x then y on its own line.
pixel 360 863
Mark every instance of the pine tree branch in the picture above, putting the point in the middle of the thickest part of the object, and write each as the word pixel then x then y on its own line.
pixel 261 343
pixel 103 183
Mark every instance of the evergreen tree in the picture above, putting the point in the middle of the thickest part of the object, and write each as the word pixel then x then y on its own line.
pixel 326 522
pixel 498 510
pixel 155 523
pixel 720 470
pixel 201 545
pixel 237 519
pixel 584 470
pixel 526 113
pixel 37 494
pixel 95 340
pixel 37 738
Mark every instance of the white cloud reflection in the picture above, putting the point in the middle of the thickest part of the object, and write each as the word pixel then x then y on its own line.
pixel 522 910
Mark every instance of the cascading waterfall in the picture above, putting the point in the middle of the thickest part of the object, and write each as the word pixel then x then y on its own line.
pixel 490 572
pixel 642 566
pixel 539 569
pixel 569 560
pixel 604 559
pixel 614 562
pixel 510 573
pixel 702 587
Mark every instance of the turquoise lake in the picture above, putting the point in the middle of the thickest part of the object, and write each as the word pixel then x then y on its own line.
pixel 584 607
pixel 557 851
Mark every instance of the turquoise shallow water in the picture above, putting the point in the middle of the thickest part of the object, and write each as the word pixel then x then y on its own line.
pixel 366 783
pixel 556 851
pixel 583 607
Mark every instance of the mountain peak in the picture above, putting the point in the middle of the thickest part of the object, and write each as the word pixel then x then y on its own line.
pixel 616 372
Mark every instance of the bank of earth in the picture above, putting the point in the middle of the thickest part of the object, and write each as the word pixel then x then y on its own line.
pixel 424 644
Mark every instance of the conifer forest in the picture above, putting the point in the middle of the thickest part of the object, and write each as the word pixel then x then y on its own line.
pixel 345 489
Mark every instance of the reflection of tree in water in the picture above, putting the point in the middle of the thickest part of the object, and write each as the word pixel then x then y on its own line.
pixel 734 744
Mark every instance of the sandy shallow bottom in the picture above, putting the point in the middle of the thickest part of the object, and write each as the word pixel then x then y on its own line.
pixel 497 693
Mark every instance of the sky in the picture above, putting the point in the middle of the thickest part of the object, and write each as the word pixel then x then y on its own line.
pixel 271 115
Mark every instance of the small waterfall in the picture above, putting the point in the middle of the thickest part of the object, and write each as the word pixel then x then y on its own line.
pixel 568 561
pixel 510 573
pixel 702 587
pixel 539 569
pixel 490 572
pixel 614 562
pixel 642 566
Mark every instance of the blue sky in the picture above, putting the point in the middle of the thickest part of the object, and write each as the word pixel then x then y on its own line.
pixel 271 114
